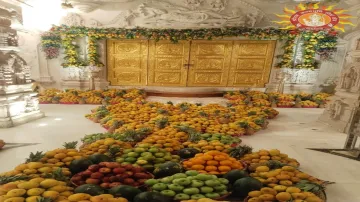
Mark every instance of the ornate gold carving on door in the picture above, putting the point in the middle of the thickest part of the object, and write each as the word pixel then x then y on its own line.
pixel 251 63
pixel 209 63
pixel 127 62
pixel 168 63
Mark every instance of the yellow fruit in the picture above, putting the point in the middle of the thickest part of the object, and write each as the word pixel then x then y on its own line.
pixel 15 199
pixel 106 196
pixel 60 156
pixel 79 197
pixel 256 199
pixel 117 200
pixel 262 169
pixel 16 192
pixel 288 168
pixel 283 196
pixel 21 167
pixel 3 198
pixel 66 193
pixel 313 199
pixel 255 193
pixel 298 196
pixel 58 188
pixel 49 183
pixel 35 191
pixel 293 190
pixel 35 165
pixel 51 194
pixel 274 152
pixel 267 197
pixel 29 171
pixel 267 190
pixel 45 170
pixel 280 188
pixel 28 185
pixel 37 180
pixel 32 198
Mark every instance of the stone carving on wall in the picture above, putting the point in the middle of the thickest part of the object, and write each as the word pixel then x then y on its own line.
pixel 350 78
pixel 14 69
pixel 297 76
pixel 335 109
pixel 73 19
pixel 162 14
pixel 93 23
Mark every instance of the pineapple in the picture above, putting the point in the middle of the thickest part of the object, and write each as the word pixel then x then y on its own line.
pixel 162 123
pixel 35 157
pixel 240 151
pixel 62 156
pixel 58 174
pixel 7 179
pixel 43 199
pixel 103 146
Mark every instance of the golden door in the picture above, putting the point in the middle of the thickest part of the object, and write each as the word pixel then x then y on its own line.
pixel 168 63
pixel 127 62
pixel 251 63
pixel 209 63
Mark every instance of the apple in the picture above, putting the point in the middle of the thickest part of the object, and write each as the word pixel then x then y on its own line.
pixel 146 154
pixel 105 170
pixel 92 181
pixel 97 175
pixel 206 190
pixel 197 183
pixel 106 179
pixel 130 173
pixel 159 186
pixel 176 187
pixel 167 179
pixel 191 172
pixel 127 151
pixel 191 178
pixel 94 168
pixel 191 191
pixel 151 182
pixel 132 154
pixel 118 170
pixel 222 193
pixel 220 187
pixel 223 181
pixel 181 181
pixel 214 177
pixel 159 160
pixel 167 157
pixel 153 150
pixel 179 175
pixel 138 170
pixel 120 160
pixel 129 181
pixel 105 185
pixel 197 196
pixel 86 173
pixel 181 197
pixel 139 150
pixel 212 195
pixel 115 184
pixel 212 183
pixel 112 164
pixel 141 176
pixel 203 177
pixel 128 167
pixel 159 155
pixel 170 193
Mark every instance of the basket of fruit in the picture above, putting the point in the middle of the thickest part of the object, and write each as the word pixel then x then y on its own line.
pixel 111 174
pixel 191 185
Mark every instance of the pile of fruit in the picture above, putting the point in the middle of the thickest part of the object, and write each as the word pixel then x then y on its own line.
pixel 108 146
pixel 256 98
pixel 73 96
pixel 190 185
pixel 112 174
pixel 212 162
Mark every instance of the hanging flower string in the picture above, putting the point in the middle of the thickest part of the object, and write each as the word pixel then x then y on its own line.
pixel 51 44
pixel 173 35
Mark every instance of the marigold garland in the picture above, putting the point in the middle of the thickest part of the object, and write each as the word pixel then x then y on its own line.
pixel 68 35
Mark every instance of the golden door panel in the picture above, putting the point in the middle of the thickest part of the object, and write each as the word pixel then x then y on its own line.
pixel 209 63
pixel 251 63
pixel 167 63
pixel 127 62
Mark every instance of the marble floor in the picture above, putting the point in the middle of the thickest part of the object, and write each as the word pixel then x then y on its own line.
pixel 293 131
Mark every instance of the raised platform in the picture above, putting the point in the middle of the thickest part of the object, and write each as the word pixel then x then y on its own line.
pixel 21 119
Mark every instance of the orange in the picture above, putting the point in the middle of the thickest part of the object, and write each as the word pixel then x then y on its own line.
pixel 226 163
pixel 214 172
pixel 197 161
pixel 210 168
pixel 224 168
pixel 212 163
pixel 199 154
pixel 187 163
pixel 207 157
pixel 213 153
pixel 220 158
pixel 197 167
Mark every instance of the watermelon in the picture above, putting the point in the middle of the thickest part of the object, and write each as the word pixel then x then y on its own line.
pixel 91 189
pixel 188 153
pixel 167 169
pixel 98 158
pixel 243 186
pixel 79 165
pixel 152 197
pixel 125 191
pixel 234 175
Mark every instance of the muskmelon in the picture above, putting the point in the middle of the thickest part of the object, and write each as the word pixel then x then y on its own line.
pixel 125 191
pixel 152 197
pixel 167 169
pixel 90 189
pixel 98 158
pixel 234 175
pixel 79 165
pixel 243 186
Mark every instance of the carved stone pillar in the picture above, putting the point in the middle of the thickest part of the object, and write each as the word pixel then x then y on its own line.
pixel 344 104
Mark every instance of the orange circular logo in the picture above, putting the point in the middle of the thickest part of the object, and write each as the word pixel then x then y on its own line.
pixel 314 19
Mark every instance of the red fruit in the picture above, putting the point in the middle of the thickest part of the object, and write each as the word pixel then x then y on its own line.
pixel 86 173
pixel 142 181
pixel 115 184
pixel 115 179
pixel 105 185
pixel 97 175
pixel 136 184
pixel 92 181
pixel 80 182
pixel 129 181
pixel 128 167
pixel 138 170
pixel 94 168
pixel 76 178
pixel 129 173
pixel 105 170
pixel 112 164
pixel 118 170
pixel 124 176
pixel 141 175
pixel 106 179
pixel 102 164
